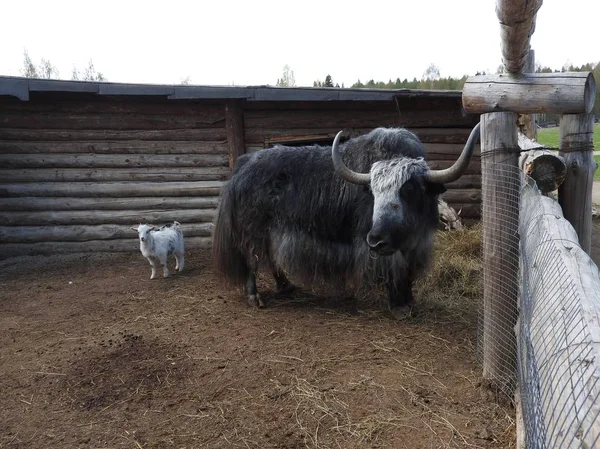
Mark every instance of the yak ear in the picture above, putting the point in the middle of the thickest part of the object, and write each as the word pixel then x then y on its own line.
pixel 435 188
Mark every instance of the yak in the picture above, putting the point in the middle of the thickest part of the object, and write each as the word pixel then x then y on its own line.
pixel 361 211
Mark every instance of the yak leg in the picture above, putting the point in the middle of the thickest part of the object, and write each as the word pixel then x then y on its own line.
pixel 282 282
pixel 401 299
pixel 254 298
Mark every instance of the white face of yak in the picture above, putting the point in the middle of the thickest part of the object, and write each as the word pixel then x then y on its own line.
pixel 404 204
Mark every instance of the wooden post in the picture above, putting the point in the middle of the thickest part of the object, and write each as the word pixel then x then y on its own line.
pixel 234 124
pixel 528 122
pixel 575 194
pixel 501 188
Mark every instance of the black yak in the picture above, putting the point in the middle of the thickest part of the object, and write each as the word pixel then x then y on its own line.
pixel 302 212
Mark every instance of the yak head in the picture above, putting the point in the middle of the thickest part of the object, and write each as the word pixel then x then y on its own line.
pixel 405 193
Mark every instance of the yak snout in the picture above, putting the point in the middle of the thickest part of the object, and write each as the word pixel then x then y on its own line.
pixel 379 242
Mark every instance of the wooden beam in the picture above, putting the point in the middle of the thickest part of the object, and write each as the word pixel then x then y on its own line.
pixel 517 24
pixel 563 314
pixel 546 168
pixel 530 93
pixel 500 188
pixel 102 203
pixel 234 125
pixel 528 122
pixel 575 194
pixel 111 189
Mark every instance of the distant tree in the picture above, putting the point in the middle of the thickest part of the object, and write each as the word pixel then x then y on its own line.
pixel 88 74
pixel 287 79
pixel 185 81
pixel 328 81
pixel 44 70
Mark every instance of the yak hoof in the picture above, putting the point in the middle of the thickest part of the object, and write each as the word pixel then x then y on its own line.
pixel 403 312
pixel 255 301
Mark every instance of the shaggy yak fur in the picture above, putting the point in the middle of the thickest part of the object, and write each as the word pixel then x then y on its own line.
pixel 287 209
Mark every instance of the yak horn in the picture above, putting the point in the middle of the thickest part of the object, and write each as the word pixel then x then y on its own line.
pixel 340 167
pixel 451 174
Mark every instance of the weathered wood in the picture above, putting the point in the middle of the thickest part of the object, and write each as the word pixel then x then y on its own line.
pixel 500 188
pixel 148 203
pixel 575 193
pixel 234 125
pixel 83 233
pixel 96 217
pixel 462 196
pixel 530 93
pixel 118 147
pixel 143 174
pixel 565 336
pixel 111 160
pixel 473 168
pixel 519 423
pixel 257 122
pixel 528 122
pixel 61 120
pixel 122 245
pixel 113 189
pixel 466 182
pixel 208 134
pixel 517 24
pixel 546 167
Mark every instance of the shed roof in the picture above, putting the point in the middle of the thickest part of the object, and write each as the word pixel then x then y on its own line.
pixel 21 88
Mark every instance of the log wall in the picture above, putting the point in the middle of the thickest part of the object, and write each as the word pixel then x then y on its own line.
pixel 77 170
pixel 76 174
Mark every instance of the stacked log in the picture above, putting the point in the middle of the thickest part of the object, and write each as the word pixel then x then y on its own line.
pixel 75 175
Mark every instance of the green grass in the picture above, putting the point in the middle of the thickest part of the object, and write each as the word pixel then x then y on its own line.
pixel 550 138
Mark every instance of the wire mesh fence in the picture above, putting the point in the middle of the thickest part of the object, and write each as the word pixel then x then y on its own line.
pixel 540 322
pixel 558 333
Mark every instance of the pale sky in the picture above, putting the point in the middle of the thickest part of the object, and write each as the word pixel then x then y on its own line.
pixel 223 42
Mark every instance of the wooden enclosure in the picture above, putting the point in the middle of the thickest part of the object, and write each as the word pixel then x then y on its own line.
pixel 80 162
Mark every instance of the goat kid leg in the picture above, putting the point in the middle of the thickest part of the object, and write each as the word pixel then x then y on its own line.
pixel 180 261
pixel 153 265
pixel 163 262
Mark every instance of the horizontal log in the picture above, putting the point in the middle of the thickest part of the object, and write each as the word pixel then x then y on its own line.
pixel 78 233
pixel 66 120
pixel 473 168
pixel 94 246
pixel 66 203
pixel 547 168
pixel 96 217
pixel 277 120
pixel 466 196
pixel 530 93
pixel 113 189
pixel 466 182
pixel 118 147
pixel 208 134
pixel 113 106
pixel 115 174
pixel 111 160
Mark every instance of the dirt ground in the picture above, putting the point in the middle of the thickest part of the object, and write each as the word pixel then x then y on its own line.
pixel 95 355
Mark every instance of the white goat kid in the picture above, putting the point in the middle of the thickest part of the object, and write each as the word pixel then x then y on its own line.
pixel 157 244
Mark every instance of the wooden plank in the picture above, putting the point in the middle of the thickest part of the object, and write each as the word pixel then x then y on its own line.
pixel 101 203
pixel 235 131
pixel 564 316
pixel 114 121
pixel 114 175
pixel 117 147
pixel 113 189
pixel 517 24
pixel 208 134
pixel 575 193
pixel 71 160
pixel 96 217
pixel 121 245
pixel 113 105
pixel 84 233
pixel 530 93
pixel 466 182
pixel 267 120
pixel 501 187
